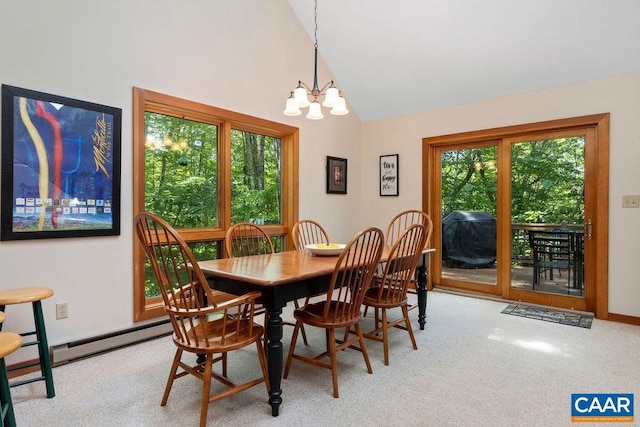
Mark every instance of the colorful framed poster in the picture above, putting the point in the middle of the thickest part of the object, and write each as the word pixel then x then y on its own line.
pixel 60 167
pixel 389 182
pixel 336 175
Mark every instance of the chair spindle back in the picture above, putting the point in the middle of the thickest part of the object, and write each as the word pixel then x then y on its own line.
pixel 352 277
pixel 307 232
pixel 245 239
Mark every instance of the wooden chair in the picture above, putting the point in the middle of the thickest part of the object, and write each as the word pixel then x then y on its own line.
pixel 341 308
pixel 205 321
pixel 403 220
pixel 398 225
pixel 246 238
pixel 307 232
pixel 391 291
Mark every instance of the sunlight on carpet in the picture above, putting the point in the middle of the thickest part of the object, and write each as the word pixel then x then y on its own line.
pixel 549 315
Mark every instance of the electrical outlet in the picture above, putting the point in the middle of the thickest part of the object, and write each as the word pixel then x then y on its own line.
pixel 62 311
pixel 631 201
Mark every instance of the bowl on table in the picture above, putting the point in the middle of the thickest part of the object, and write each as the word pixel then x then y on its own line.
pixel 325 249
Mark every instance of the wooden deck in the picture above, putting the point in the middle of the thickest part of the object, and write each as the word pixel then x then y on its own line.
pixel 521 277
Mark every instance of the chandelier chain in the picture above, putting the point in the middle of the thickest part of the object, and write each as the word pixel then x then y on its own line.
pixel 315 20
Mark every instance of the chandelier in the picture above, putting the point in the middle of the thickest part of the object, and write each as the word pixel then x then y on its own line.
pixel 299 98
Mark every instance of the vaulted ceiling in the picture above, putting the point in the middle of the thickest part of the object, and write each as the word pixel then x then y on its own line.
pixel 392 58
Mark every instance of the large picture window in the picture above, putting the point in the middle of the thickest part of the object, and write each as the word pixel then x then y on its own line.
pixel 203 169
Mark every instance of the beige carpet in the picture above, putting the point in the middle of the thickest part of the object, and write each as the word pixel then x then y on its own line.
pixel 474 367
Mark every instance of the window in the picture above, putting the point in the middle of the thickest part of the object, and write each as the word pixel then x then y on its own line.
pixel 202 169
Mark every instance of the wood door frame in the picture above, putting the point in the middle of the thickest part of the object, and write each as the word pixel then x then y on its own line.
pixel 596 188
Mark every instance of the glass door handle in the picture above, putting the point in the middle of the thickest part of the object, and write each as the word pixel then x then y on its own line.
pixel 588 229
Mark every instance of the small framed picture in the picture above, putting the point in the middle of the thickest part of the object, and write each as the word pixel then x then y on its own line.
pixel 389 185
pixel 336 175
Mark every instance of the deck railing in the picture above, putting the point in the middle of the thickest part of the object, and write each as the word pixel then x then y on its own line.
pixel 521 252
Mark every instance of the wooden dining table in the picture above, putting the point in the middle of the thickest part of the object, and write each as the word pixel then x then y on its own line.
pixel 284 277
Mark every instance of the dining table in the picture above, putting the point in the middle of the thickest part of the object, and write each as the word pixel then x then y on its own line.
pixel 283 277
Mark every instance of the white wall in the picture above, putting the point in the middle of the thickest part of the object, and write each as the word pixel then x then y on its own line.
pixel 240 55
pixel 245 56
pixel 618 95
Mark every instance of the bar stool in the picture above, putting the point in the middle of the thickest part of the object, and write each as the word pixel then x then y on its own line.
pixel 34 295
pixel 9 342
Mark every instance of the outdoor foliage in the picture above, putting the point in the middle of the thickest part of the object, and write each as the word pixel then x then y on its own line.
pixel 181 178
pixel 547 181
pixel 181 171
pixel 469 180
pixel 256 178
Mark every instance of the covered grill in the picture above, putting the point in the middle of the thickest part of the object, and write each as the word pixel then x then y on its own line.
pixel 469 239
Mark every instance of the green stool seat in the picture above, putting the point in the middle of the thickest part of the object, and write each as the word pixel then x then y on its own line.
pixel 34 295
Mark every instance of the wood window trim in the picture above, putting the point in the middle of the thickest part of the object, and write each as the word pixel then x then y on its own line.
pixel 600 125
pixel 146 100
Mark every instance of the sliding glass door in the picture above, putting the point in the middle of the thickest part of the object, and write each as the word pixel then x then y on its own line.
pixel 514 215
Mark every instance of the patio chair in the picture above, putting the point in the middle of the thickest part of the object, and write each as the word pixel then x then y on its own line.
pixel 553 250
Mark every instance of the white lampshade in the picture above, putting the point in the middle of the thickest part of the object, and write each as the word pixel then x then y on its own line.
pixel 315 112
pixel 340 107
pixel 300 95
pixel 292 109
pixel 331 97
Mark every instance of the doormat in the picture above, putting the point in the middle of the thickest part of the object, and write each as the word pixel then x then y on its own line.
pixel 550 315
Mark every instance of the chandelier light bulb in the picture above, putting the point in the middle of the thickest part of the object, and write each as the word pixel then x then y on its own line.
pixel 331 96
pixel 291 108
pixel 340 107
pixel 315 112
pixel 300 96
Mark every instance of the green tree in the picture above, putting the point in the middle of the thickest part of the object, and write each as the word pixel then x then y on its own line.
pixel 547 181
pixel 181 170
pixel 256 177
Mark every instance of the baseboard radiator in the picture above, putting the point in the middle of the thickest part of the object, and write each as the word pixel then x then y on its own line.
pixel 69 352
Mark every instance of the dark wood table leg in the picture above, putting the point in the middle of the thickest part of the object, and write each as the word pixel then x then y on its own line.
pixel 422 292
pixel 274 357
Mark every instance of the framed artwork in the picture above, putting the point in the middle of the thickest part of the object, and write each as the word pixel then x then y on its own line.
pixel 389 178
pixel 336 175
pixel 60 167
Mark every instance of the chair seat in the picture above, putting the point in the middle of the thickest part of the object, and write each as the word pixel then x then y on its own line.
pixel 23 295
pixel 312 314
pixel 373 298
pixel 562 265
pixel 236 335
